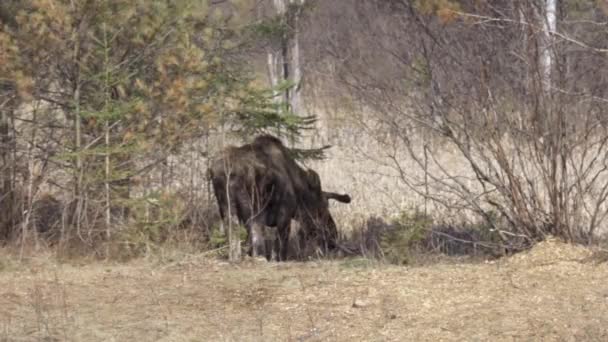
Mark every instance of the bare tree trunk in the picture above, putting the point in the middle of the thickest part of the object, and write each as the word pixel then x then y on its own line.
pixel 29 204
pixel 164 165
pixel 295 100
pixel 273 78
pixel 78 172
pixel 549 25
pixel 284 62
pixel 107 135
pixel 277 57
pixel 77 119
pixel 108 203
pixel 234 239
pixel 33 181
pixel 6 171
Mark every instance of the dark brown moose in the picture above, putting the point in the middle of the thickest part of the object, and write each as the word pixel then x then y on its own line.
pixel 267 188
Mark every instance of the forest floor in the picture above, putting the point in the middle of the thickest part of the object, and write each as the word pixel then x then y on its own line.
pixel 553 292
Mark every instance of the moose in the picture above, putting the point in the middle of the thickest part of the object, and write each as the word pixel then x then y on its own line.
pixel 264 186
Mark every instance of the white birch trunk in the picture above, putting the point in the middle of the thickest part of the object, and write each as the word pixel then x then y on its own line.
pixel 549 27
pixel 297 68
pixel 273 73
pixel 284 62
pixel 275 58
pixel 280 6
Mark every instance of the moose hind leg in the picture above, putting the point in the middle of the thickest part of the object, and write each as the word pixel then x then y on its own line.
pixel 268 244
pixel 256 244
pixel 282 241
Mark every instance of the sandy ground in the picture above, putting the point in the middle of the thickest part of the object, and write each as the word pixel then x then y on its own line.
pixel 554 292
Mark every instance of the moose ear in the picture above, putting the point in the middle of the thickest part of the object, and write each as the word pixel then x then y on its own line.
pixel 344 198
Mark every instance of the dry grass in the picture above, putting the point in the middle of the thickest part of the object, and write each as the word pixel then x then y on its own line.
pixel 554 292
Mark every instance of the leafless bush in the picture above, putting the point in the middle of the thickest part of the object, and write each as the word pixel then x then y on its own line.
pixel 520 104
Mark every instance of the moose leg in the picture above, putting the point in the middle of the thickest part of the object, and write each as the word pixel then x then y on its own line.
pixel 282 240
pixel 219 189
pixel 330 236
pixel 256 237
pixel 303 239
pixel 268 243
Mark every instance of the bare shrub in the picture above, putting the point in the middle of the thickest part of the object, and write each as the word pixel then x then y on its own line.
pixel 520 106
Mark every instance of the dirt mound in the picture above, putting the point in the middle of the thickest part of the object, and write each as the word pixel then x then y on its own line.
pixel 549 252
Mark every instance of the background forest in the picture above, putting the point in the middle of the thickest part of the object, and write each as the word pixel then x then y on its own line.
pixel 476 122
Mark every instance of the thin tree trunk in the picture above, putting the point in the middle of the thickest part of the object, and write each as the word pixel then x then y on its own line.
pixel 32 182
pixel 549 27
pixel 278 59
pixel 6 171
pixel 295 100
pixel 284 62
pixel 107 180
pixel 285 72
pixel 273 78
pixel 280 6
pixel 77 119
pixel 234 240
pixel 107 135
pixel 77 136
